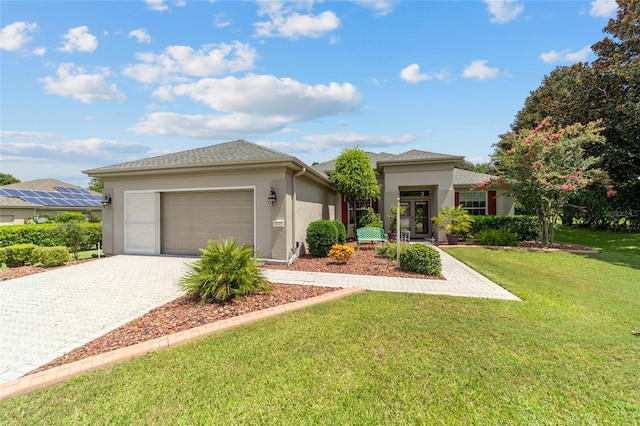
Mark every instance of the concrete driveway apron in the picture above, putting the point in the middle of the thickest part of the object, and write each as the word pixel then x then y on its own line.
pixel 46 315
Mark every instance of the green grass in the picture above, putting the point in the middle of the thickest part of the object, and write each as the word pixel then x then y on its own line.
pixel 564 355
pixel 86 254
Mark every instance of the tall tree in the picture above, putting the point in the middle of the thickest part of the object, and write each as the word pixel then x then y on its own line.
pixel 6 179
pixel 96 184
pixel 607 90
pixel 354 177
pixel 547 165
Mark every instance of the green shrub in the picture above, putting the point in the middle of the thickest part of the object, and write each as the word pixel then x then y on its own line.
pixel 321 236
pixel 524 227
pixel 390 251
pixel 50 256
pixel 225 271
pixel 3 257
pixel 496 237
pixel 19 255
pixel 421 259
pixel 73 236
pixel 370 218
pixel 70 217
pixel 342 231
pixel 46 235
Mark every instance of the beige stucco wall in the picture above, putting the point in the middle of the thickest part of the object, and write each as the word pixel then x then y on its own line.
pixel 437 177
pixel 272 242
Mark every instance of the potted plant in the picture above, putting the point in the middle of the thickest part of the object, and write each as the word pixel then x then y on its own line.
pixel 456 221
pixel 393 216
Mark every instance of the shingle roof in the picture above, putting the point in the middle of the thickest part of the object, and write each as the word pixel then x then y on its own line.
pixel 383 157
pixel 15 202
pixel 239 151
pixel 467 177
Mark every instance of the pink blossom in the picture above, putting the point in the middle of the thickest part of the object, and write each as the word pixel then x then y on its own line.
pixel 567 187
pixel 550 176
pixel 612 193
pixel 512 151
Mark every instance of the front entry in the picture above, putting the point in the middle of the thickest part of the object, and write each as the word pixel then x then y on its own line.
pixel 416 217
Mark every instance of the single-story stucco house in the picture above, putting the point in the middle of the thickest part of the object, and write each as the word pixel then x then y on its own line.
pixel 175 203
pixel 23 200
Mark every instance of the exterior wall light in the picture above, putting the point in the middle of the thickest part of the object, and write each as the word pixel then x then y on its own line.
pixel 272 198
pixel 106 200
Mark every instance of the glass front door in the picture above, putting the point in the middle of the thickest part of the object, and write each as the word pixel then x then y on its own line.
pixel 415 217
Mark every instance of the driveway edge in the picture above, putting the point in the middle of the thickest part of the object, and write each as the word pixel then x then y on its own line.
pixel 43 379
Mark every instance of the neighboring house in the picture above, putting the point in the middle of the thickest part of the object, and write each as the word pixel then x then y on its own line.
pixel 175 203
pixel 22 200
pixel 424 182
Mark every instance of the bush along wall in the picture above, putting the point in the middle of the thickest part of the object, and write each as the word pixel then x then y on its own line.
pixel 321 236
pixel 31 254
pixel 47 235
pixel 525 228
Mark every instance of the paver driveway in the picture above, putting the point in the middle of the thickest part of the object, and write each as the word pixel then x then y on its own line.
pixel 45 315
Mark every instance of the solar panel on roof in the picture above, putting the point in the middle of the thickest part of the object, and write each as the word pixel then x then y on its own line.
pixel 34 200
pixel 3 192
pixel 41 193
pixel 14 193
pixel 63 189
pixel 29 193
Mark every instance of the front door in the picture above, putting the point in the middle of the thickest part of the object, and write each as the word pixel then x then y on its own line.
pixel 415 218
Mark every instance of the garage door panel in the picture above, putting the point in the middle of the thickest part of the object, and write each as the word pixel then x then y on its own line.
pixel 190 219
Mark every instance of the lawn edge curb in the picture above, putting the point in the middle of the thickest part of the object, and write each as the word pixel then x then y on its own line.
pixel 52 376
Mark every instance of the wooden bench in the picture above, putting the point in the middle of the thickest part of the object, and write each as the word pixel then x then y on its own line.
pixel 370 233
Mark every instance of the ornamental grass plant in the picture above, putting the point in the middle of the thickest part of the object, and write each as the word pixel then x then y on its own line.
pixel 226 270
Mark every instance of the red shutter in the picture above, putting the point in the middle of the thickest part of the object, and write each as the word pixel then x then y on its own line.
pixel 457 199
pixel 374 205
pixel 491 195
pixel 345 212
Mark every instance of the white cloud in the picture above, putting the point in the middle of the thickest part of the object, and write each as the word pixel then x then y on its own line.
pixel 207 126
pixel 379 7
pixel 221 21
pixel 79 39
pixel 603 8
pixel 252 105
pixel 411 74
pixel 330 141
pixel 176 62
pixel 266 95
pixel 15 36
pixel 503 11
pixel 25 135
pixel 39 51
pixel 140 35
pixel 566 56
pixel 73 81
pixel 157 5
pixel 479 69
pixel 285 21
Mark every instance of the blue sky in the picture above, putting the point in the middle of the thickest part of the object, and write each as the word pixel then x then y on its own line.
pixel 86 84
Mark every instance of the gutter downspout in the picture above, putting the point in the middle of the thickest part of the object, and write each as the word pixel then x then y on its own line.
pixel 294 196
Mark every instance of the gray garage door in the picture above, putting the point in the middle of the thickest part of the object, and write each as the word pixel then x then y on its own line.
pixel 190 219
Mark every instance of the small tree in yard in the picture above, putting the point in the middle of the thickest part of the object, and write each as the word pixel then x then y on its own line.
pixel 72 234
pixel 354 177
pixel 546 166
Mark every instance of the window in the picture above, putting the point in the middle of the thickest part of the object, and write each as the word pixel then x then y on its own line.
pixel 474 202
pixel 361 208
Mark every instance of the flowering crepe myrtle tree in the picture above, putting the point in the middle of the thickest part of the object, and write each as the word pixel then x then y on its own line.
pixel 546 166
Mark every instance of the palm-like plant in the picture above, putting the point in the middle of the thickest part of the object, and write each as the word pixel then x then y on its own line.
pixel 225 271
pixel 456 221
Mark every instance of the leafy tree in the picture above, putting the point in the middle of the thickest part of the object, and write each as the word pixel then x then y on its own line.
pixel 354 177
pixel 547 165
pixel 96 184
pixel 6 179
pixel 72 234
pixel 486 168
pixel 607 90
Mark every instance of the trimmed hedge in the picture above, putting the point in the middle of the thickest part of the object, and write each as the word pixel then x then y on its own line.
pixel 342 231
pixel 50 256
pixel 46 235
pixel 525 228
pixel 496 237
pixel 31 254
pixel 321 236
pixel 421 259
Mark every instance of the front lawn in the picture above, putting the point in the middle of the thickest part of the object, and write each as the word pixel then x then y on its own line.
pixel 564 355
